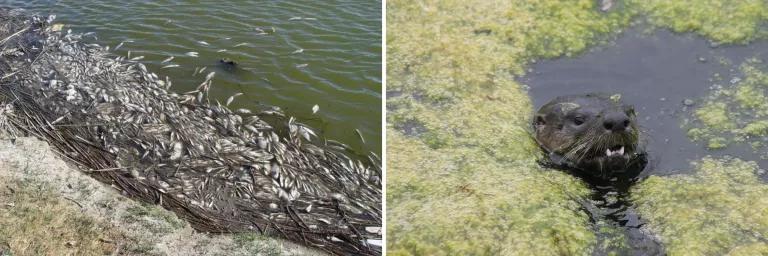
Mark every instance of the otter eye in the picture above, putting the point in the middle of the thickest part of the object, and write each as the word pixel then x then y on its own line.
pixel 578 120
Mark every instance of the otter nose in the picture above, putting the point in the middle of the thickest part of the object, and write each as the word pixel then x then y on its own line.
pixel 616 122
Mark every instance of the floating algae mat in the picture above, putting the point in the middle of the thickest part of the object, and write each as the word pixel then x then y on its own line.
pixel 463 178
pixel 720 209
pixel 222 171
pixel 736 111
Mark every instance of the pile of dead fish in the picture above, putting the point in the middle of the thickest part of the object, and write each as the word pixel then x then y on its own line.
pixel 221 171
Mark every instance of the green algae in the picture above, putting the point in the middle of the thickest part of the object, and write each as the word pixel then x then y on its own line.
pixel 467 182
pixel 722 21
pixel 715 115
pixel 720 209
pixel 464 202
pixel 737 113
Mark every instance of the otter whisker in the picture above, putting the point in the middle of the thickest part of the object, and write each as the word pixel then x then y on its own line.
pixel 592 132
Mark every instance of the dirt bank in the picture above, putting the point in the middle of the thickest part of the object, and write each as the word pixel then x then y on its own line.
pixel 48 207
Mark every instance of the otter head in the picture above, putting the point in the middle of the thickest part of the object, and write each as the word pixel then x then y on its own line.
pixel 594 133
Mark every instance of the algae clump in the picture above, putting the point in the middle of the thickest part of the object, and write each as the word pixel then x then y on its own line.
pixel 722 21
pixel 461 176
pixel 464 202
pixel 720 209
pixel 735 113
pixel 467 182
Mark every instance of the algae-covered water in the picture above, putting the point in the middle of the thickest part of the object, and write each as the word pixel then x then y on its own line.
pixel 464 77
pixel 289 54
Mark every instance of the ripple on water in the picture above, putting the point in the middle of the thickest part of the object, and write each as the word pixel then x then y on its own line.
pixel 341 42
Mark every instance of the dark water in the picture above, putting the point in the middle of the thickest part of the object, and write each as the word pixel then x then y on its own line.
pixel 339 68
pixel 655 72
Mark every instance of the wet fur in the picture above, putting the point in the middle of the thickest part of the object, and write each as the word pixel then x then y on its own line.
pixel 584 147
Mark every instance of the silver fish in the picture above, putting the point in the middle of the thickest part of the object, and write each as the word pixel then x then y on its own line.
pixel 167 59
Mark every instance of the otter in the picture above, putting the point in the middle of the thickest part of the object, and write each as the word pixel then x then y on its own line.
pixel 228 62
pixel 596 134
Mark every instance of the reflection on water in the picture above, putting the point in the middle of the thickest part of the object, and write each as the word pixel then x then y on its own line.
pixel 294 55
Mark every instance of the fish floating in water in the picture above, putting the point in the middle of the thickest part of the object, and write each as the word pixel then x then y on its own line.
pixel 297 51
pixel 300 18
pixel 232 98
pixel 119 45
pixel 191 54
pixel 304 65
pixel 170 66
pixel 167 59
pixel 220 170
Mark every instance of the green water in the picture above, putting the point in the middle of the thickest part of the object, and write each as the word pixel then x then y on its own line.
pixel 339 68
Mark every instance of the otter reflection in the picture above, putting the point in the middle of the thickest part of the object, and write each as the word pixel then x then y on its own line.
pixel 595 134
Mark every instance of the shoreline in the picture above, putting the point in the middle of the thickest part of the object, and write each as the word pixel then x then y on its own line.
pixel 30 170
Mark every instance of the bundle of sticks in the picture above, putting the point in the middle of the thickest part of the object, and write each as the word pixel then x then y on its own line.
pixel 222 171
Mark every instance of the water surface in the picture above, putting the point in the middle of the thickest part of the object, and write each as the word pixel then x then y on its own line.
pixel 664 75
pixel 290 54
pixel 656 72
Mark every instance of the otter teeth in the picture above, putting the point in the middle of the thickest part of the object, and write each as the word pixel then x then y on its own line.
pixel 617 152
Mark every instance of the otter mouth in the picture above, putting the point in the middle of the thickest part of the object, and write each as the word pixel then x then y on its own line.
pixel 616 150
pixel 612 156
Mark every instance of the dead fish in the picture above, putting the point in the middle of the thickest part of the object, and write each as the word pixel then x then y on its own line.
pixel 209 76
pixel 315 109
pixel 191 54
pixel 295 18
pixel 119 45
pixel 306 133
pixel 243 111
pixel 170 66
pixel 241 44
pixel 297 51
pixel 302 65
pixel 232 98
pixel 58 119
pixel 177 151
pixel 137 58
pixel 203 42
pixel 167 59
pixel 310 18
pixel 359 134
